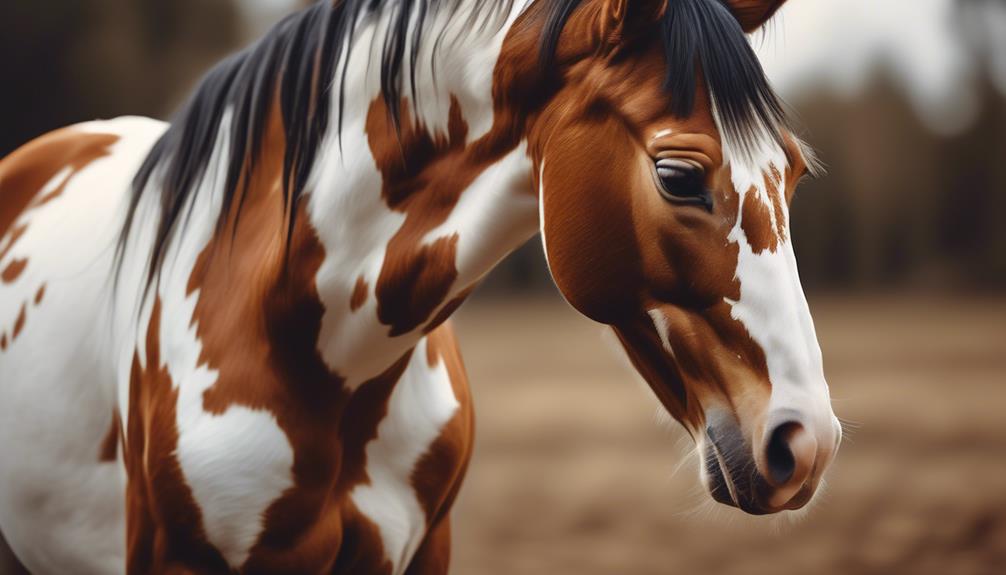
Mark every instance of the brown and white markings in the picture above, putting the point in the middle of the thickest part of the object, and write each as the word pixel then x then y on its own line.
pixel 224 345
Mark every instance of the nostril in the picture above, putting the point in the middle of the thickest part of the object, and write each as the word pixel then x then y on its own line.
pixel 779 456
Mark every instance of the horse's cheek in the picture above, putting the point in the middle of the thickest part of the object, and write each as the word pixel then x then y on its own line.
pixel 588 222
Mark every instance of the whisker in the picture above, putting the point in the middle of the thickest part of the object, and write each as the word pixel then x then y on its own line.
pixel 847 421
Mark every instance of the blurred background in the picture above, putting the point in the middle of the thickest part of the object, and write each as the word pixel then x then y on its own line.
pixel 902 249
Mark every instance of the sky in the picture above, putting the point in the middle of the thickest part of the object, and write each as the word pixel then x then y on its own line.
pixel 929 46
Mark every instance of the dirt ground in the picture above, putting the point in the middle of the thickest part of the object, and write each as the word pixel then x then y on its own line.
pixel 574 472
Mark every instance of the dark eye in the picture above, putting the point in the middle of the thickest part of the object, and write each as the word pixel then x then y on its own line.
pixel 683 182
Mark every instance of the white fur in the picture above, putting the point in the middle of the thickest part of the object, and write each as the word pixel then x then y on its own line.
pixel 355 224
pixel 421 404
pixel 662 327
pixel 60 509
pixel 773 307
pixel 236 463
pixel 494 215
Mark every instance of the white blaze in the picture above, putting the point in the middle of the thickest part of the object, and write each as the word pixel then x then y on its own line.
pixel 772 305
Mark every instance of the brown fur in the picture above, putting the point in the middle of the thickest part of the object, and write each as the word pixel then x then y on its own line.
pixel 15 235
pixel 456 439
pixel 13 271
pixel 25 172
pixel 19 322
pixel 617 249
pixel 23 175
pixel 752 14
pixel 421 178
pixel 360 294
pixel 448 309
pixel 110 444
pixel 164 524
pixel 262 341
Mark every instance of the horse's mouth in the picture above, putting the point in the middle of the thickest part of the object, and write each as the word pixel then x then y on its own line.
pixel 736 482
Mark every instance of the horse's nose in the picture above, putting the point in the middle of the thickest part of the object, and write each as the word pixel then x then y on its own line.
pixel 790 454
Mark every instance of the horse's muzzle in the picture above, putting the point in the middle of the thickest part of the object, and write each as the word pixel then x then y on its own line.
pixel 781 475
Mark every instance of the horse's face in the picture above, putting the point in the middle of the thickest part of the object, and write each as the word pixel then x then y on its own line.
pixel 648 227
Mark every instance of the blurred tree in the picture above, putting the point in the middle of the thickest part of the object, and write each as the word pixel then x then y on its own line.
pixel 66 62
pixel 899 206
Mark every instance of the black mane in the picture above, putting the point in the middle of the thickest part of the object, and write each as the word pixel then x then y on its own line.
pixel 704 33
pixel 300 57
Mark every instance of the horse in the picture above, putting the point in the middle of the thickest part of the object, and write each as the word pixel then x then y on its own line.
pixel 224 340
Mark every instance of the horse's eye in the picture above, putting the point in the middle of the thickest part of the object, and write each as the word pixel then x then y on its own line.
pixel 683 182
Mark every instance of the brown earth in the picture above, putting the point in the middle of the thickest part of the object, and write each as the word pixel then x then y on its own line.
pixel 574 473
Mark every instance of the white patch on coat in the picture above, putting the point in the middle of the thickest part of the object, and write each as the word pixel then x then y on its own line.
pixel 773 308
pixel 353 221
pixel 236 463
pixel 61 509
pixel 354 224
pixel 465 64
pixel 239 462
pixel 660 324
pixel 421 404
pixel 494 216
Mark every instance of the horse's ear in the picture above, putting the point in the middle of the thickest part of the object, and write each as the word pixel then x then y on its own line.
pixel 753 13
pixel 622 18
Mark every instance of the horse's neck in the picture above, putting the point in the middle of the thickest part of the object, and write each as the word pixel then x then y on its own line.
pixel 394 228
pixel 410 222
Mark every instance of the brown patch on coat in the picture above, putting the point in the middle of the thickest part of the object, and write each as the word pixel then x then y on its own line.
pixel 421 177
pixel 758 215
pixel 28 169
pixel 434 555
pixel 756 223
pixel 15 235
pixel 448 310
pixel 13 270
pixel 752 14
pixel 110 444
pixel 628 251
pixel 647 355
pixel 315 526
pixel 424 175
pixel 362 549
pixel 261 339
pixel 21 319
pixel 437 476
pixel 360 294
pixel 797 166
pixel 263 342
pixel 164 530
pixel 19 322
pixel 776 197
pixel 23 175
